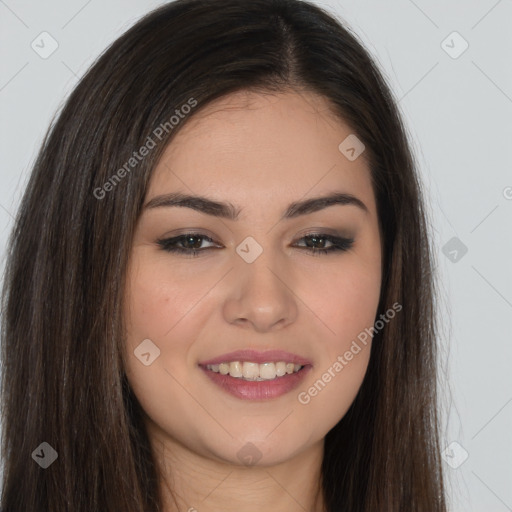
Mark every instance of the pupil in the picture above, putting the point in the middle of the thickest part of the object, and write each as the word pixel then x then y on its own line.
pixel 196 245
pixel 312 240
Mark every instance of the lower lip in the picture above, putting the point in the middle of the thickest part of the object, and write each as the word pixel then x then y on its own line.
pixel 258 389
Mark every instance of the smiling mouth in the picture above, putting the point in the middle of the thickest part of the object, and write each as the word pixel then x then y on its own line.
pixel 251 371
pixel 254 386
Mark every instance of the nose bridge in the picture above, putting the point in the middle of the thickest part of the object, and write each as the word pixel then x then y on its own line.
pixel 260 294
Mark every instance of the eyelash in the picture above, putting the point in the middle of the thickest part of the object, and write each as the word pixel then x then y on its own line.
pixel 339 244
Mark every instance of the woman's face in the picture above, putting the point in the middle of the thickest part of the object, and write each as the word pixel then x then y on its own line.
pixel 255 284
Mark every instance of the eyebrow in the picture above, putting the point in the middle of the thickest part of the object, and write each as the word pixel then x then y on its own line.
pixel 230 212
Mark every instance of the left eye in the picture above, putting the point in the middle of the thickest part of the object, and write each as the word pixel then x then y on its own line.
pixel 337 243
pixel 191 244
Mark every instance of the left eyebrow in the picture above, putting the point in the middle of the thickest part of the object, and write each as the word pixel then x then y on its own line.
pixel 229 211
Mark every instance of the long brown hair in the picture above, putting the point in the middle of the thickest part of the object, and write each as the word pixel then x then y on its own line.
pixel 63 380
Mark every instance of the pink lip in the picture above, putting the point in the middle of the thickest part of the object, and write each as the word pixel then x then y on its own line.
pixel 254 356
pixel 257 390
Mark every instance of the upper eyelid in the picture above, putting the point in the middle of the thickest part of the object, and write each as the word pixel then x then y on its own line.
pixel 315 230
pixel 204 235
pixel 210 239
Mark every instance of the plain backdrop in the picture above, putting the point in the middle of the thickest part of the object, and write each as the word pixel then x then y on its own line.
pixel 449 66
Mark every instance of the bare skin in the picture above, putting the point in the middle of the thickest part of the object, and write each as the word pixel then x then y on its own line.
pixel 259 153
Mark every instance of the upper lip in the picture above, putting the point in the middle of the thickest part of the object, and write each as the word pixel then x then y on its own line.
pixel 256 356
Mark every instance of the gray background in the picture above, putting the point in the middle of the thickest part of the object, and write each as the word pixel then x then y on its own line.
pixel 458 110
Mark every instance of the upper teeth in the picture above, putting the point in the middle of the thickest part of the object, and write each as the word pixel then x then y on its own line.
pixel 254 371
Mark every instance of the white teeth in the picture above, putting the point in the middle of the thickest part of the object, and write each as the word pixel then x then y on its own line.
pixel 235 369
pixel 280 369
pixel 268 371
pixel 250 371
pixel 254 371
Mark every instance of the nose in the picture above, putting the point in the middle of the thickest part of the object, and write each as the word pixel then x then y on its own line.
pixel 261 295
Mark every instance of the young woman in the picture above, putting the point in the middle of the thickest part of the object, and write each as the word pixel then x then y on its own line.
pixel 219 288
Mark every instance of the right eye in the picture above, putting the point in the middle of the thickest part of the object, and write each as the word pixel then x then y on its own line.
pixel 190 244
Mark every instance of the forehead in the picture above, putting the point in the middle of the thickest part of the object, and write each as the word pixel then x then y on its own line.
pixel 250 146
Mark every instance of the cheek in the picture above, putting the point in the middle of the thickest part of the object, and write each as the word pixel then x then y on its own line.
pixel 347 302
pixel 345 299
pixel 157 299
pixel 156 302
pixel 329 394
